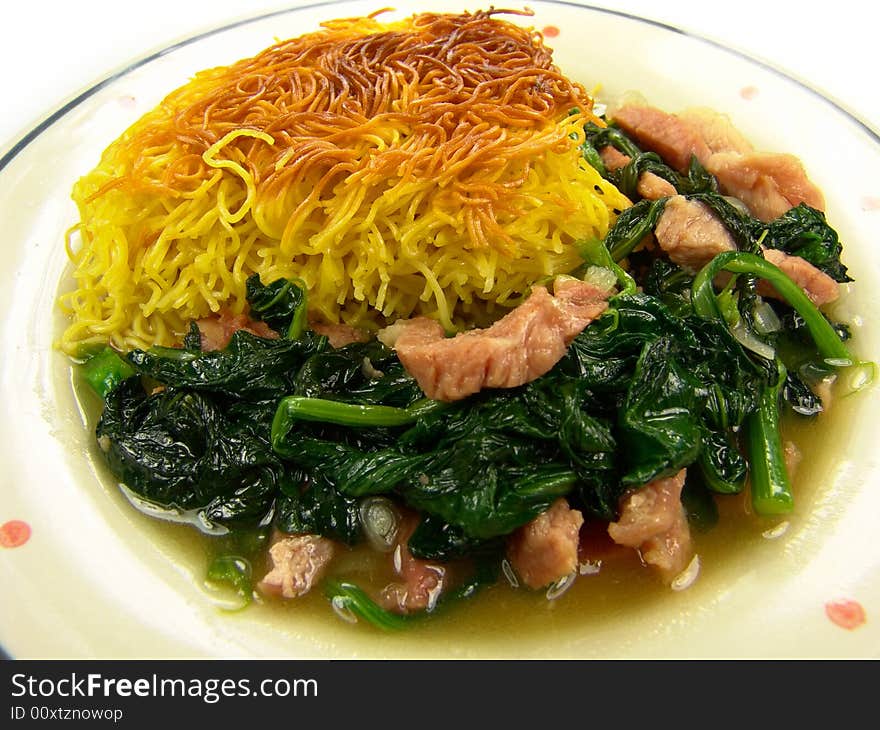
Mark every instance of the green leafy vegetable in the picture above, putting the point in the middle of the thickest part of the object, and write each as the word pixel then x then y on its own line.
pixel 660 425
pixel 315 506
pixel 282 304
pixel 200 442
pixel 631 226
pixel 187 451
pixel 803 231
pixel 249 365
pixel 367 373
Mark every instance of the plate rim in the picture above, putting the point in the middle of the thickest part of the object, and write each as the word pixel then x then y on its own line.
pixel 18 144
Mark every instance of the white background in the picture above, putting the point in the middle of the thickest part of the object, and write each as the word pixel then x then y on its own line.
pixel 53 50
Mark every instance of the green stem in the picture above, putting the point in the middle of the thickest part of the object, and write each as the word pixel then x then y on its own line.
pixel 827 341
pixel 768 476
pixel 297 408
pixel 106 369
pixel 299 321
pixel 347 597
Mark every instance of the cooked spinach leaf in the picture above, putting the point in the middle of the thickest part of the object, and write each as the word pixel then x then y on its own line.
pixel 434 539
pixel 315 506
pixel 803 231
pixel 659 423
pixel 631 227
pixel 367 373
pixel 281 304
pixel 184 450
pixel 249 365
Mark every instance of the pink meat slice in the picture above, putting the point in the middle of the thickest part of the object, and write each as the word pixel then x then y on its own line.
pixel 690 234
pixel 650 186
pixel 816 284
pixel 521 346
pixel 217 330
pixel 653 521
pixel 546 549
pixel 672 138
pixel 298 563
pixel 769 184
pixel 339 335
pixel 716 130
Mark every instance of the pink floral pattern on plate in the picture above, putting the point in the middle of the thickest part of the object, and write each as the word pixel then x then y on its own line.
pixel 846 613
pixel 14 533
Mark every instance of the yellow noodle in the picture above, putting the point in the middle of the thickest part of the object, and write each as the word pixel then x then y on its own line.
pixel 424 166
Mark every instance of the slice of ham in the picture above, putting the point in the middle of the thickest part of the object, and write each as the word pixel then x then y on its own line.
pixel 523 345
pixel 653 521
pixel 768 183
pixel 669 136
pixel 716 130
pixel 217 330
pixel 298 563
pixel 546 549
pixel 816 284
pixel 690 234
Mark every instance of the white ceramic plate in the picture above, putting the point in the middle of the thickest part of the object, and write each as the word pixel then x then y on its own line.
pixel 97 579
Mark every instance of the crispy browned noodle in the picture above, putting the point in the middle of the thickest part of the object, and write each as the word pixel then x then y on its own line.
pixel 425 165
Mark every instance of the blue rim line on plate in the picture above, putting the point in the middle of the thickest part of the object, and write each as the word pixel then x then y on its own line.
pixel 69 106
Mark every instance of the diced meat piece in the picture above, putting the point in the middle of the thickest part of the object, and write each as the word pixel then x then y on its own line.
pixel 521 346
pixel 613 158
pixel 546 549
pixel 411 333
pixel 298 563
pixel 654 187
pixel 217 330
pixel 666 134
pixel 716 129
pixel 340 335
pixel 690 234
pixel 769 184
pixel 653 520
pixel 421 582
pixel 817 285
pixel 650 186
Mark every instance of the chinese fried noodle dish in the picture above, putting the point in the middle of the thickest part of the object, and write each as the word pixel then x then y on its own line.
pixel 399 290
